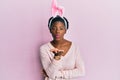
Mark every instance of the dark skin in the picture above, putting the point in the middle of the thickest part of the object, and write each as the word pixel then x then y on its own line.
pixel 58 31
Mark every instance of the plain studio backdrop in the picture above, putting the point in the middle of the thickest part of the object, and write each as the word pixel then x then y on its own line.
pixel 94 26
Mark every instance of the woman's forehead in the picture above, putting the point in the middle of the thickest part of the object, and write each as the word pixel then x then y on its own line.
pixel 58 23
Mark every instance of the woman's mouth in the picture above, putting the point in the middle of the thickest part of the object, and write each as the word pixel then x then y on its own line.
pixel 57 36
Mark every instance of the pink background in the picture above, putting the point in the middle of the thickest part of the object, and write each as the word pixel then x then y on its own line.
pixel 94 25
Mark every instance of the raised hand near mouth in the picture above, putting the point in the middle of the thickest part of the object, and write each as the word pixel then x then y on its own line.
pixel 57 53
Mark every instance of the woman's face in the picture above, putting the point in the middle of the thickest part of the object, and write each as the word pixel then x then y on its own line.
pixel 58 30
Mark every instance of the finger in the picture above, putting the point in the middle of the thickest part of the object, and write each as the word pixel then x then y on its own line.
pixel 55 49
pixel 61 50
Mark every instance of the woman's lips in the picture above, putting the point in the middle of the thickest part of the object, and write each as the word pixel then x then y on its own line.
pixel 57 36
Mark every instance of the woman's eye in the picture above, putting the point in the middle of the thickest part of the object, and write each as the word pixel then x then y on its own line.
pixel 61 28
pixel 53 28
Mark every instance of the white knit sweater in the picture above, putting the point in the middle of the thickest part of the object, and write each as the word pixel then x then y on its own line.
pixel 69 67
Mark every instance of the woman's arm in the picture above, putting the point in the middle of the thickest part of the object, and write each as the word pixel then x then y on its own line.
pixel 79 69
pixel 50 66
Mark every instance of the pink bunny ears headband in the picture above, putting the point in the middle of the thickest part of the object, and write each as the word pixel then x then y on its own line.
pixel 57 10
pixel 57 15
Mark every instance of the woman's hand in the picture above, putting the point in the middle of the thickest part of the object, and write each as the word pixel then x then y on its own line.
pixel 57 53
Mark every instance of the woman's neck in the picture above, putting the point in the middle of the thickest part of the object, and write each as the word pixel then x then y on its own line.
pixel 60 42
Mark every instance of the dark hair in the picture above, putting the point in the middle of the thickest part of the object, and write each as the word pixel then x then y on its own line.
pixel 58 18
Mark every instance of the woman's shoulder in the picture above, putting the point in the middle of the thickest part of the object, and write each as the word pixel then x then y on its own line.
pixel 45 45
pixel 72 43
pixel 75 45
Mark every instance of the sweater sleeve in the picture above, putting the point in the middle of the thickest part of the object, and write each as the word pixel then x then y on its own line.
pixel 50 66
pixel 79 69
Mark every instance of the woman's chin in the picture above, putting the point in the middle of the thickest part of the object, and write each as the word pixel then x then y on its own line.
pixel 57 39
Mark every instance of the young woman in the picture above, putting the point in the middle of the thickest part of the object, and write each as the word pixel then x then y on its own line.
pixel 61 59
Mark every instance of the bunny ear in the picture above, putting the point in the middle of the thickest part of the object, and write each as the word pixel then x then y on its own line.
pixel 57 10
pixel 54 8
pixel 61 11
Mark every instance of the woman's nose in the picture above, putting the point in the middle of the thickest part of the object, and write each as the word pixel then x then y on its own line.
pixel 57 30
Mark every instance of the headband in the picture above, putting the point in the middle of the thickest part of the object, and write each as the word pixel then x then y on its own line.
pixel 57 11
